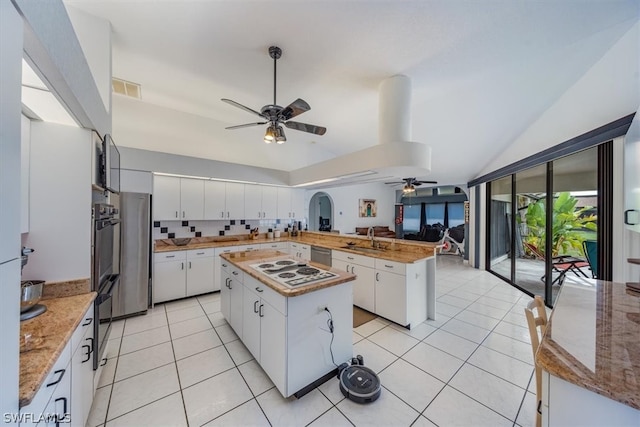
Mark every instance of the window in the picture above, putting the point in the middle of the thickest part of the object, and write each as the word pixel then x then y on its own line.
pixel 435 213
pixel 456 214
pixel 411 219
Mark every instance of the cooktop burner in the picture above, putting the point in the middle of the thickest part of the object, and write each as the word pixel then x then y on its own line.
pixel 292 273
pixel 287 275
pixel 266 265
pixel 306 271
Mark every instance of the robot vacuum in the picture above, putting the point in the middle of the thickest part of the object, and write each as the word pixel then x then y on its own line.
pixel 359 383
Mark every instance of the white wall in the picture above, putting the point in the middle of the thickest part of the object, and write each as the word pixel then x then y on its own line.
pixel 606 92
pixel 136 181
pixel 94 35
pixel 346 204
pixel 60 203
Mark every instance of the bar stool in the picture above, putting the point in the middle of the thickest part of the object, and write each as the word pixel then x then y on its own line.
pixel 536 314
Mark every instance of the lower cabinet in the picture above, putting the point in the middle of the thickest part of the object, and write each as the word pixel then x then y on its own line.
pixel 231 296
pixel 300 251
pixel 364 292
pixel 217 269
pixel 66 394
pixel 264 329
pixel 180 274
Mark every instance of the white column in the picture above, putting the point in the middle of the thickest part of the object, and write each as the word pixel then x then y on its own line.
pixel 394 110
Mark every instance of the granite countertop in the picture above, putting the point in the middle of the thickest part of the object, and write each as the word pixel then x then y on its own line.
pixel 243 260
pixel 47 335
pixel 593 340
pixel 395 250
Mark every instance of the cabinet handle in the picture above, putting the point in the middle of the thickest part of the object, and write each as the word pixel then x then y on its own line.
pixel 388 266
pixel 626 217
pixel 104 361
pixel 224 265
pixel 64 410
pixel 259 290
pixel 227 214
pixel 189 265
pixel 176 214
pixel 377 277
pixel 182 266
pixel 182 214
pixel 260 313
pixel 235 273
pixel 255 306
pixel 353 270
pixel 221 214
pixel 264 215
pixel 59 371
pixel 88 321
pixel 88 353
pixel 170 256
pixel 230 282
pixel 351 258
pixel 199 253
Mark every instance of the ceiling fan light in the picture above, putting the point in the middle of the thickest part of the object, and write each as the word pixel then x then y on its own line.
pixel 279 135
pixel 408 188
pixel 270 135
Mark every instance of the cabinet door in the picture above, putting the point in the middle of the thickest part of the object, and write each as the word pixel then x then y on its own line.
pixel 252 201
pixel 234 200
pixel 169 281
pixel 251 322
pixel 166 198
pixel 235 305
pixel 273 348
pixel 364 291
pixel 82 380
pixel 225 296
pixel 199 275
pixel 284 202
pixel 297 204
pixel 218 284
pixel 60 403
pixel 214 200
pixel 191 199
pixel 269 202
pixel 391 296
pixel 305 251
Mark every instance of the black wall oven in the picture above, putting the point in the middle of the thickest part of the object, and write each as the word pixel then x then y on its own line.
pixel 105 278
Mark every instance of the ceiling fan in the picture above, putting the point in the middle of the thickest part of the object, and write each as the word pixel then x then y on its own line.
pixel 275 115
pixel 410 184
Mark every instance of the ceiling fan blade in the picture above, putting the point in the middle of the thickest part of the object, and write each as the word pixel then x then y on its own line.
pixel 246 125
pixel 304 127
pixel 395 183
pixel 235 104
pixel 297 107
pixel 425 182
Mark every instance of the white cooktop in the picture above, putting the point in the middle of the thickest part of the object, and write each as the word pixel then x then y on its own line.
pixel 291 273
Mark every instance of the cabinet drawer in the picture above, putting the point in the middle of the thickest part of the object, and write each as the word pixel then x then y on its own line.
pixel 56 375
pixel 85 325
pixel 391 266
pixel 354 258
pixel 199 253
pixel 170 256
pixel 251 247
pixel 276 300
pixel 274 245
pixel 235 273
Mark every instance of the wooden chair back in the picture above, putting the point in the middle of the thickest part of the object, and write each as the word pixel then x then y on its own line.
pixel 536 314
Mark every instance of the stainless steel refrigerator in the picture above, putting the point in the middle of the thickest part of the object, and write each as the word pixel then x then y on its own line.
pixel 132 296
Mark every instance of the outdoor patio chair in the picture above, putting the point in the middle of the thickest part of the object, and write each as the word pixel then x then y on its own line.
pixel 561 264
pixel 590 248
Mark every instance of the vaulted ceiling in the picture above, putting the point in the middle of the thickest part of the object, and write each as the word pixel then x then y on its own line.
pixel 482 72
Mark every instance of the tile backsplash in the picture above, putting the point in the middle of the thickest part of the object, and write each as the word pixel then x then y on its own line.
pixel 210 228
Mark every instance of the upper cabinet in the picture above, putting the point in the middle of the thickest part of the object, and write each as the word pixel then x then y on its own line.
pixel 224 200
pixel 177 198
pixel 290 203
pixel 260 202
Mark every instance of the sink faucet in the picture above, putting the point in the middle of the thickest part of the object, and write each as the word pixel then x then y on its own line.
pixel 371 236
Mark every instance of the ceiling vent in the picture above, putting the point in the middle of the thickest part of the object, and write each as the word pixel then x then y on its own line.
pixel 126 88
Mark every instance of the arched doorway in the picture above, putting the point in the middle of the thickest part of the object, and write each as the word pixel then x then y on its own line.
pixel 321 212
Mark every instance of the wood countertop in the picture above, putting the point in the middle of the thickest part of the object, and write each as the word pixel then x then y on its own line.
pixel 243 260
pixel 46 336
pixel 593 340
pixel 403 251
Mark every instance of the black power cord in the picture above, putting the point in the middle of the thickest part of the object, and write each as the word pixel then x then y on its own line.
pixel 330 326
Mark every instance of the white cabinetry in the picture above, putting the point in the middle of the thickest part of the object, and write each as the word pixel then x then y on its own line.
pixel 393 290
pixel 223 200
pixel 67 391
pixel 180 274
pixel 278 246
pixel 231 296
pixel 632 175
pixel 177 198
pixel 82 370
pixel 217 267
pixel 364 295
pixel 300 251
pixel 25 148
pixel 260 201
pixel 290 203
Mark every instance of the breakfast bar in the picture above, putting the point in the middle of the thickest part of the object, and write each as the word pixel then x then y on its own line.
pixel 590 356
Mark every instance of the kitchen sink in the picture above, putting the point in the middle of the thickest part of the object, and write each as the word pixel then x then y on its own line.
pixel 365 250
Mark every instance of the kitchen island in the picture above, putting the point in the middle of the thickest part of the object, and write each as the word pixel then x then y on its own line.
pixel 590 356
pixel 298 333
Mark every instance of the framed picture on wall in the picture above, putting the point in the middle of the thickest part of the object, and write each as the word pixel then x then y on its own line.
pixel 368 208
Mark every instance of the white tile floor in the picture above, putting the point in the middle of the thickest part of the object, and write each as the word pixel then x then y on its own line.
pixel 181 364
